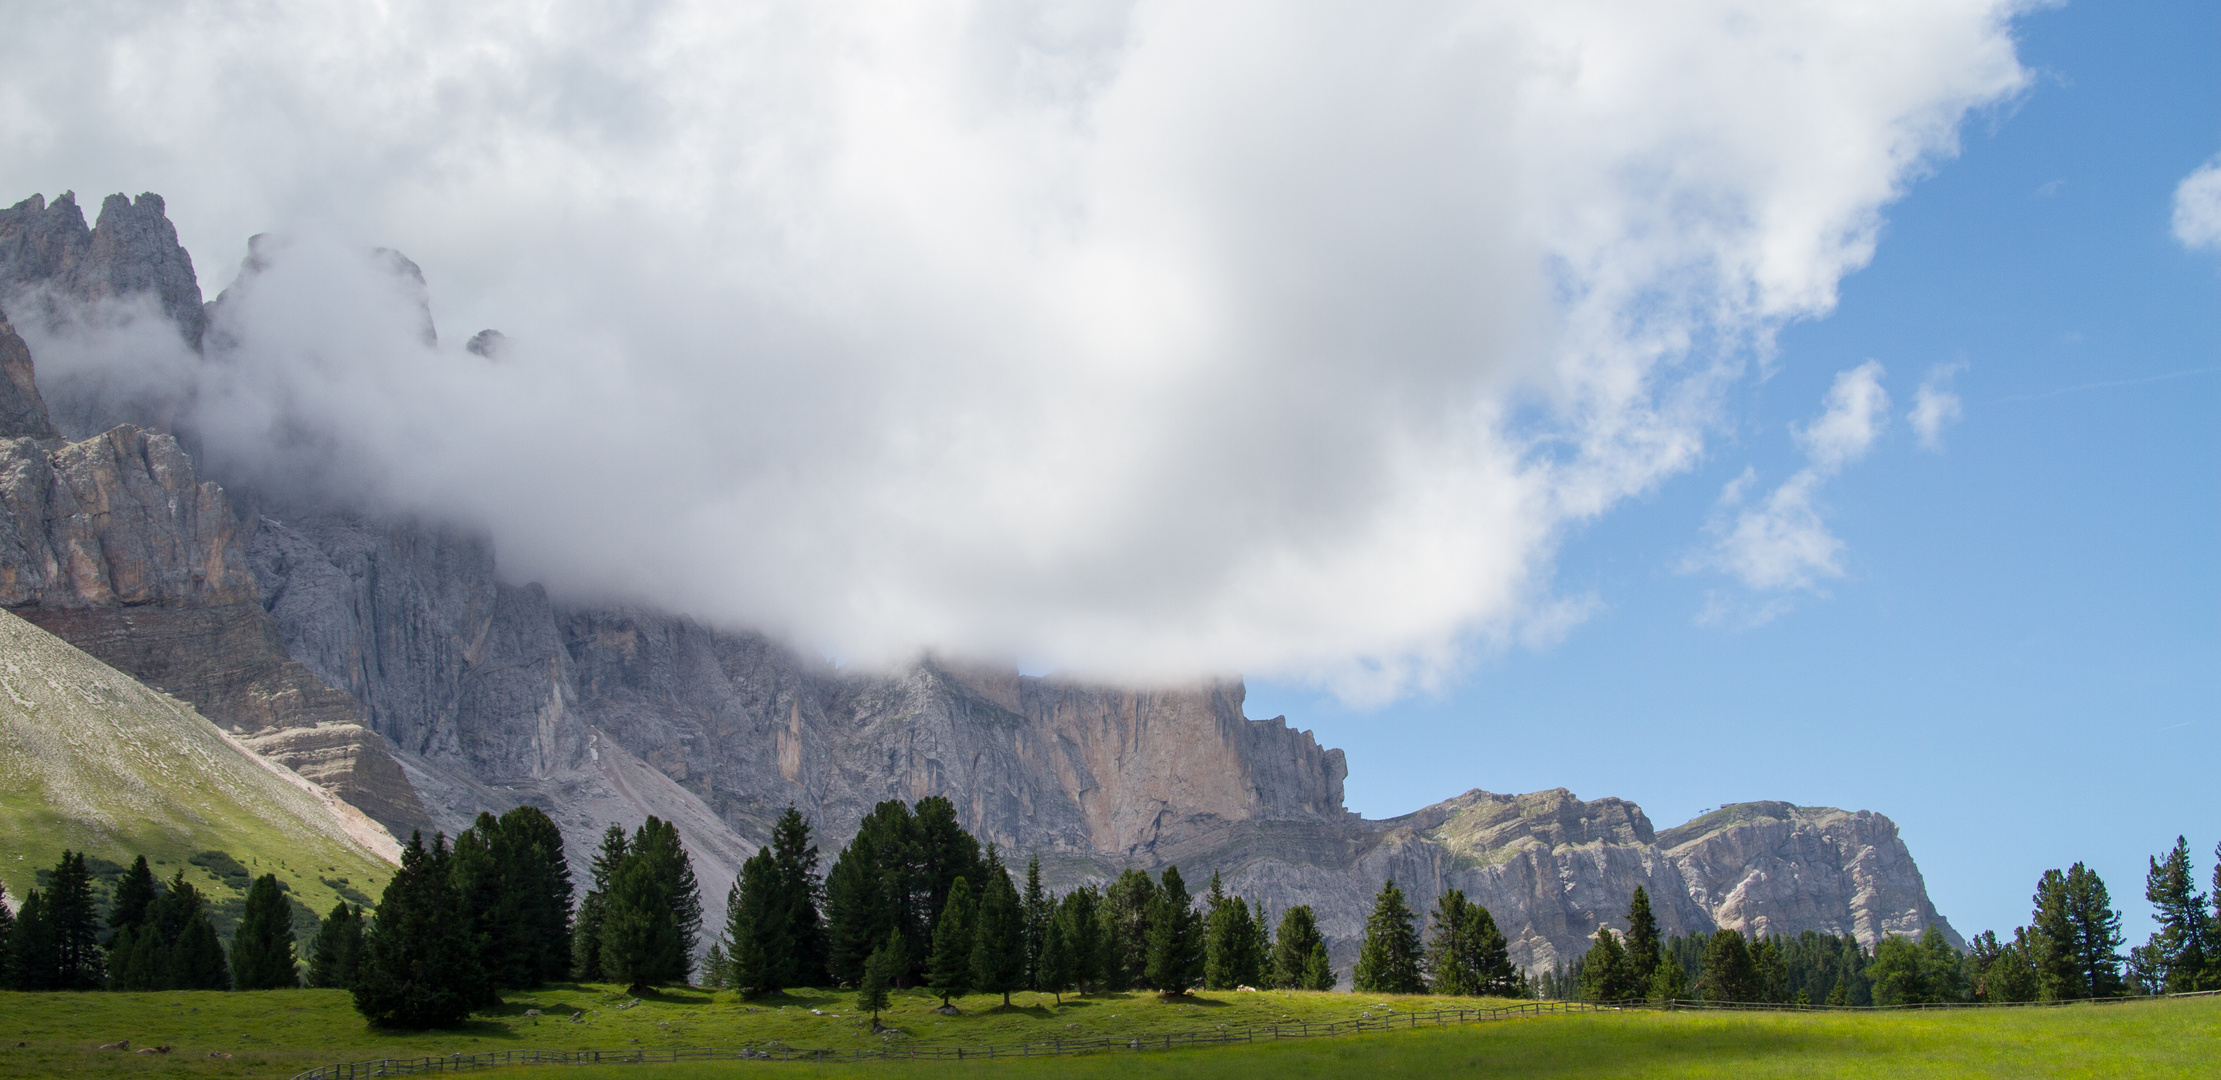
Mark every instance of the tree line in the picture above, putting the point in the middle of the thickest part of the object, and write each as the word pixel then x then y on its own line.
pixel 914 900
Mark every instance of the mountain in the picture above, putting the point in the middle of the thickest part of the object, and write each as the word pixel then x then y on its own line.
pixel 93 761
pixel 398 668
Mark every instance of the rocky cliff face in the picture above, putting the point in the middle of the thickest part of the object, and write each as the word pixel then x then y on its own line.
pixel 132 250
pixel 306 623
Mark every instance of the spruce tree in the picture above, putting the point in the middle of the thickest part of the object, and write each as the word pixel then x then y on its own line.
pixel 536 945
pixel 32 963
pixel 999 935
pixel 1452 957
pixel 1040 909
pixel 7 941
pixel 1231 951
pixel 2183 946
pixel 1175 961
pixel 1083 936
pixel 1605 973
pixel 135 894
pixel 1729 974
pixel 795 855
pixel 1318 968
pixel 1669 982
pixel 488 910
pixel 1493 956
pixel 656 845
pixel 879 969
pixel 640 944
pixel 1291 949
pixel 262 946
pixel 335 956
pixel 949 966
pixel 197 962
pixel 1053 968
pixel 1773 972
pixel 874 887
pixel 1389 961
pixel 757 920
pixel 73 923
pixel 1124 917
pixel 418 969
pixel 1642 938
pixel 944 852
pixel 586 933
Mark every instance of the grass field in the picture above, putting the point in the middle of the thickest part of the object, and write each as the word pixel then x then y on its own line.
pixel 277 1034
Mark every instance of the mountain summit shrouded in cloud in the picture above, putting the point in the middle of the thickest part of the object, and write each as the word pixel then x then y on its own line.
pixel 1130 338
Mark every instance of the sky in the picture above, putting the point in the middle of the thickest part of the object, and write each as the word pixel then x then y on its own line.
pixel 1690 402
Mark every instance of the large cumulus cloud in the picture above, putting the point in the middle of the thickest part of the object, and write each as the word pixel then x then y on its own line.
pixel 1138 338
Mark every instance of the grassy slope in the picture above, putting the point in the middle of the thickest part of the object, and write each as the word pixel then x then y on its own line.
pixel 92 760
pixel 276 1034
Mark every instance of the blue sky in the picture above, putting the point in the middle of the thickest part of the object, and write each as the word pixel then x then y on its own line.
pixel 2022 663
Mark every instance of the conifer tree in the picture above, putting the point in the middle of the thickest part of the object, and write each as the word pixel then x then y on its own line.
pixel 262 946
pixel 757 920
pixel 999 935
pixel 1318 968
pixel 2183 947
pixel 1124 922
pixel 1642 938
pixel 7 940
pixel 1040 909
pixel 1453 964
pixel 879 969
pixel 536 896
pixel 640 944
pixel 1493 956
pixel 586 936
pixel 1389 961
pixel 949 967
pixel 944 852
pixel 72 923
pixel 1729 974
pixel 1899 976
pixel 1669 982
pixel 1175 962
pixel 1083 937
pixel 1053 968
pixel 656 843
pixel 1232 954
pixel 335 956
pixel 418 969
pixel 2081 935
pixel 32 963
pixel 795 855
pixel 1291 949
pixel 874 887
pixel 487 909
pixel 717 965
pixel 135 894
pixel 1773 971
pixel 1605 972
pixel 198 963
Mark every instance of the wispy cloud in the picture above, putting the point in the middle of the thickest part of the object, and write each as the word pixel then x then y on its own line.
pixel 1935 405
pixel 2198 208
pixel 1780 542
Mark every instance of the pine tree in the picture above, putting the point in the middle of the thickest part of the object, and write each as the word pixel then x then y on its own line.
pixel 1773 971
pixel 1175 962
pixel 999 935
pixel 418 969
pixel 1899 976
pixel 1053 968
pixel 944 852
pixel 2183 947
pixel 197 963
pixel 1124 918
pixel 1942 966
pixel 1452 958
pixel 73 924
pixel 7 941
pixel 641 946
pixel 949 967
pixel 586 938
pixel 872 888
pixel 717 966
pixel 1040 909
pixel 1669 981
pixel 1729 974
pixel 135 894
pixel 1083 936
pixel 1493 956
pixel 32 963
pixel 1232 956
pixel 1605 973
pixel 795 855
pixel 757 920
pixel 1291 949
pixel 487 909
pixel 536 886
pixel 2080 933
pixel 262 946
pixel 656 844
pixel 1389 961
pixel 335 957
pixel 879 971
pixel 1642 938
pixel 1318 968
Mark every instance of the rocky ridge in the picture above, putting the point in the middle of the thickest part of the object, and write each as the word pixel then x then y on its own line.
pixel 479 694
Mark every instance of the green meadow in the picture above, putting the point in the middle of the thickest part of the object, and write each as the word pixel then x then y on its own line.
pixel 280 1033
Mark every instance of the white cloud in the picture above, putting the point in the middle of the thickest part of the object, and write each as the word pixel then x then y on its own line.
pixel 1147 338
pixel 1935 405
pixel 1781 542
pixel 2198 208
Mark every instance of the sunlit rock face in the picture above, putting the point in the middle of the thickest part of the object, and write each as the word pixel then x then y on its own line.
pixel 388 660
